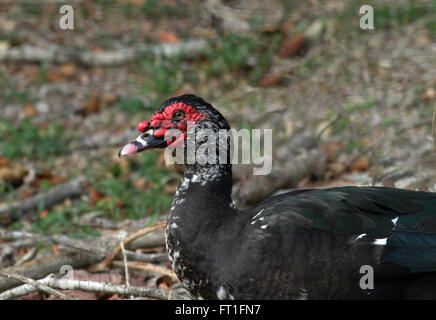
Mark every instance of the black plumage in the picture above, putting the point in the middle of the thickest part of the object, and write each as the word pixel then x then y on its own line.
pixel 305 244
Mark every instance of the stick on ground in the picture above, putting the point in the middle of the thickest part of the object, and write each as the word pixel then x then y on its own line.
pixel 106 263
pixel 57 194
pixel 433 128
pixel 92 286
pixel 38 285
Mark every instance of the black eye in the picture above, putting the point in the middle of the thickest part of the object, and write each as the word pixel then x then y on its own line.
pixel 147 133
pixel 179 115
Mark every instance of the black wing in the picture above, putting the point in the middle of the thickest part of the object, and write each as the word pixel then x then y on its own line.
pixel 403 221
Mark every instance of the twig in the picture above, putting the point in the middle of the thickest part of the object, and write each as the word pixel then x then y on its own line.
pixel 328 125
pixel 126 268
pixel 62 240
pixel 93 286
pixel 149 257
pixel 433 127
pixel 56 54
pixel 106 263
pixel 88 254
pixel 148 267
pixel 57 194
pixel 36 284
pixel 41 267
pixel 28 256
pixel 22 290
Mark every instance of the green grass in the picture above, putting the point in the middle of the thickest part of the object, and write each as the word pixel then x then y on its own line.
pixel 231 53
pixel 61 221
pixel 161 78
pixel 116 187
pixel 31 142
pixel 131 105
pixel 136 202
pixel 386 122
pixel 389 14
pixel 156 8
pixel 10 93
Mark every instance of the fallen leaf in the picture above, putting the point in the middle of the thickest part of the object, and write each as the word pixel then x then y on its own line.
pixel 429 94
pixel 92 105
pixel 109 99
pixel 95 196
pixel 68 70
pixel 169 37
pixel 360 164
pixel 336 168
pixel 53 76
pixel 4 162
pixel 30 110
pixel 171 188
pixel 55 248
pixel 292 46
pixel 13 175
pixel 165 282
pixel 270 80
pixel 269 28
pixel 43 214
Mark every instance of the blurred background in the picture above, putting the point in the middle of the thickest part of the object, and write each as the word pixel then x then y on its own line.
pixel 347 106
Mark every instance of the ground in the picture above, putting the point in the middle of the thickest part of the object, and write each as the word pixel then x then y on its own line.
pixel 367 95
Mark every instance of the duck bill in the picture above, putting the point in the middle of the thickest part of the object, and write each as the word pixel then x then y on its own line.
pixel 141 144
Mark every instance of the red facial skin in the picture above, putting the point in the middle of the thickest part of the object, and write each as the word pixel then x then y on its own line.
pixel 163 122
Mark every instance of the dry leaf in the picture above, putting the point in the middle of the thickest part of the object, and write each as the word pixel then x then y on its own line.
pixel 13 175
pixel 336 168
pixel 360 164
pixel 292 46
pixel 270 80
pixel 30 110
pixel 109 99
pixel 43 214
pixel 169 37
pixel 54 77
pixel 165 282
pixel 171 188
pixel 429 94
pixel 95 196
pixel 92 105
pixel 4 162
pixel 68 70
pixel 55 248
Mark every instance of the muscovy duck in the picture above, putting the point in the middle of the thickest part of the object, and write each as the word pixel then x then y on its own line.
pixel 304 244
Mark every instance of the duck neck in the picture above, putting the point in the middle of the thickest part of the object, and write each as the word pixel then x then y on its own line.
pixel 203 199
pixel 206 187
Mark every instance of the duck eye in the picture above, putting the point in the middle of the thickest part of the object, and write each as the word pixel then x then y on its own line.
pixel 179 115
pixel 147 133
